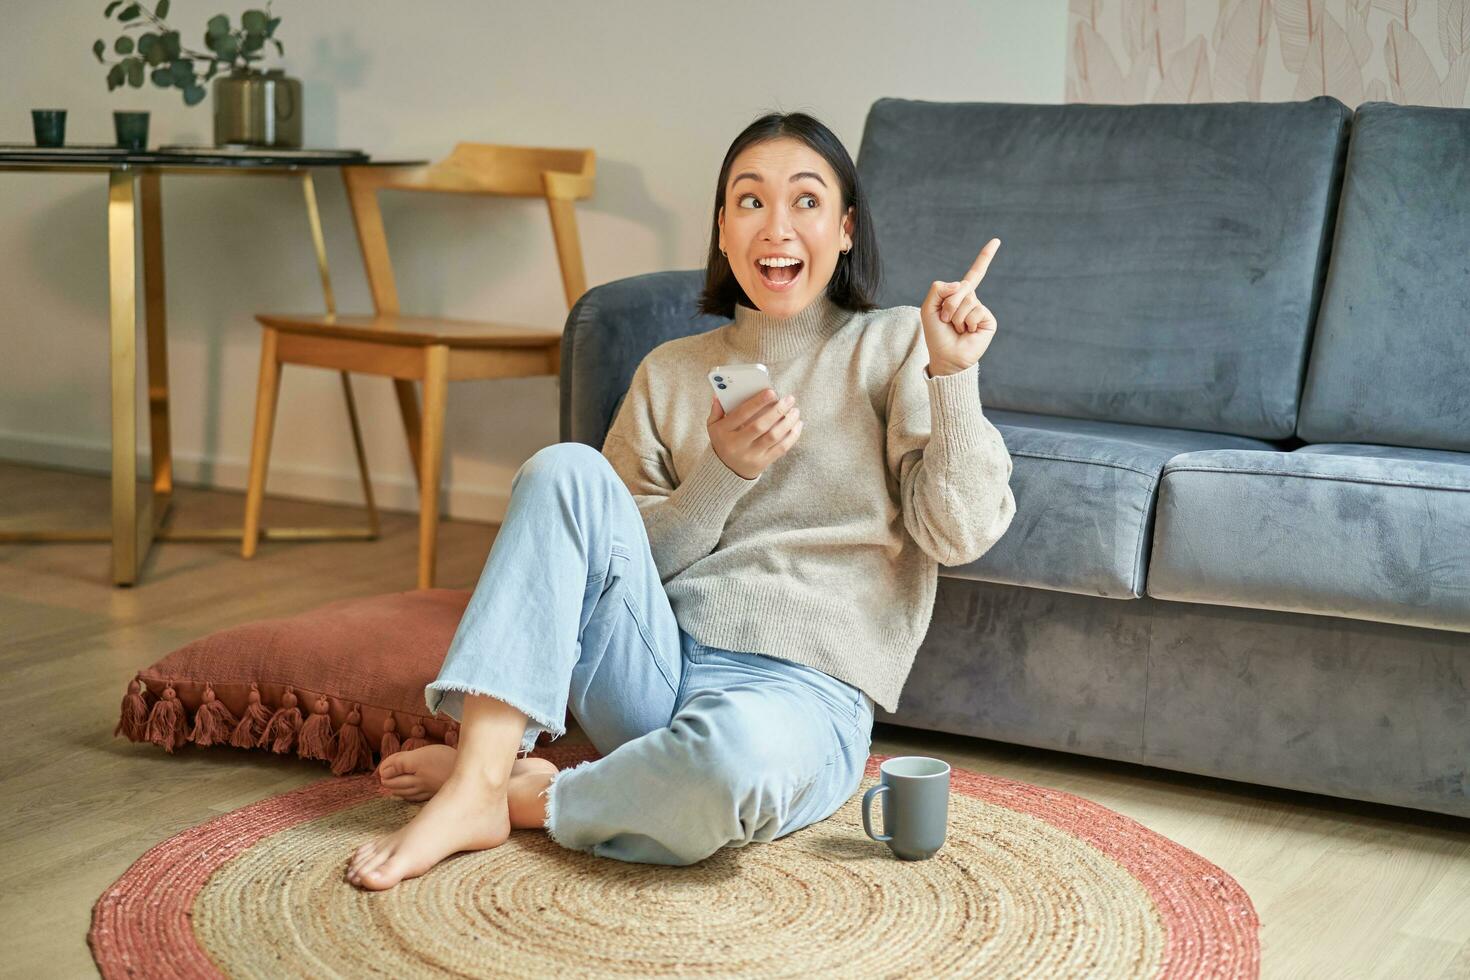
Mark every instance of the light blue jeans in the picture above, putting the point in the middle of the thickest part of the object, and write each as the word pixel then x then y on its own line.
pixel 702 748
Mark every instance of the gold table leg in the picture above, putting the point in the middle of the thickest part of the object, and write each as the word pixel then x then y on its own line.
pixel 132 522
pixel 319 243
pixel 160 442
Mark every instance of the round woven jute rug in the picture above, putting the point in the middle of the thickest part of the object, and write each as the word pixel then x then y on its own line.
pixel 1030 882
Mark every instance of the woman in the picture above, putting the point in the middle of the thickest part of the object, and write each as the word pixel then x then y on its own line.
pixel 806 568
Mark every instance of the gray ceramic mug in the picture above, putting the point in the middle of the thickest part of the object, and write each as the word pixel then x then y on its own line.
pixel 915 805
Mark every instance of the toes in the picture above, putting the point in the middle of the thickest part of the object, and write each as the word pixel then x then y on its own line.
pixel 385 875
pixel 363 856
pixel 368 868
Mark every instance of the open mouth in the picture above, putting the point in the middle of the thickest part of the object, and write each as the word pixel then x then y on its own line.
pixel 779 273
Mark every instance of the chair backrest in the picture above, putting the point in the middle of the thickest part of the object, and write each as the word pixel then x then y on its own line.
pixel 1391 353
pixel 1160 263
pixel 561 175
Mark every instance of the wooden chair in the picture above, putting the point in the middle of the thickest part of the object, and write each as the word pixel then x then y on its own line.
pixel 433 350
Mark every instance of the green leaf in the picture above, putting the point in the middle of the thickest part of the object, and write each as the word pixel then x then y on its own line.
pixel 253 42
pixel 183 72
pixel 135 72
pixel 218 26
pixel 150 49
pixel 193 95
pixel 161 11
pixel 213 69
pixel 279 50
pixel 97 49
pixel 270 26
pixel 130 12
pixel 123 45
pixel 111 7
pixel 226 47
pixel 162 77
pixel 171 45
pixel 254 21
pixel 116 76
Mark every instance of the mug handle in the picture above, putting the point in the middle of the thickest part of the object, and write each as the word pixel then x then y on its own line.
pixel 867 811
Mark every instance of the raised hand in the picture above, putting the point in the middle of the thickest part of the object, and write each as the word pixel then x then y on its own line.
pixel 957 326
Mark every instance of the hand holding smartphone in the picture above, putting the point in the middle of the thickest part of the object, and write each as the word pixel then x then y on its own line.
pixel 749 426
pixel 733 383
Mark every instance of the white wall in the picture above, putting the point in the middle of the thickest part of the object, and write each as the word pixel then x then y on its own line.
pixel 658 89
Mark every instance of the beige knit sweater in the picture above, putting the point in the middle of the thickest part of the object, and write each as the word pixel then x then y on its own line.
pixel 830 557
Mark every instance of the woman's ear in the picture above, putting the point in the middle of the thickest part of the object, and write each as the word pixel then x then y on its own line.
pixel 720 223
pixel 847 223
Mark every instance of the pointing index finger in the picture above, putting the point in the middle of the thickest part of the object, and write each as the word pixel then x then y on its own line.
pixel 982 262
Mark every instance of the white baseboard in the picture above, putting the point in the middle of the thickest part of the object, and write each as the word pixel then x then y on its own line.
pixel 475 503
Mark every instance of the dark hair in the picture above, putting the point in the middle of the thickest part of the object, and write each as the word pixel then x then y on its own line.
pixel 854 282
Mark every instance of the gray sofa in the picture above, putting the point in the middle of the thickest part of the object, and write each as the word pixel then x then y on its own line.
pixel 1233 372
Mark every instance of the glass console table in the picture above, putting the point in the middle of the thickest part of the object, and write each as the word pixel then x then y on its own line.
pixel 134 204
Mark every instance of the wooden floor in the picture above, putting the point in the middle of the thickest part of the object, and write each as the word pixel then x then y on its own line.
pixel 1343 889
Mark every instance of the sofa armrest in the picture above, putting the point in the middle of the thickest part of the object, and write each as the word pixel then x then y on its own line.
pixel 609 331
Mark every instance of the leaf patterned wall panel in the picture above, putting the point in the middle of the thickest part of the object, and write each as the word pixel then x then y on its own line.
pixel 1414 52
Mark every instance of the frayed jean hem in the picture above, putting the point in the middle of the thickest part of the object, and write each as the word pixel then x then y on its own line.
pixel 436 692
pixel 551 810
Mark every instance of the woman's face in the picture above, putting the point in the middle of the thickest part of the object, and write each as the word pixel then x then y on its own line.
pixel 783 202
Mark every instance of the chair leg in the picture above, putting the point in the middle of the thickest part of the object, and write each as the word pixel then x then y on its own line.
pixel 266 395
pixel 408 407
pixel 431 457
pixel 362 464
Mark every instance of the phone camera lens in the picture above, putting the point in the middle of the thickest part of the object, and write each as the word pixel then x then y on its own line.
pixel 718 378
pixel 722 387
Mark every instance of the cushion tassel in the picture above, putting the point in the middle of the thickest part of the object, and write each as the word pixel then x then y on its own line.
pixel 248 732
pixel 315 739
pixel 351 750
pixel 166 721
pixel 416 739
pixel 451 734
pixel 213 722
pixel 280 731
pixel 134 719
pixel 390 738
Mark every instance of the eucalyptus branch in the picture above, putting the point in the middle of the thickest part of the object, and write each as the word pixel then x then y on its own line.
pixel 173 65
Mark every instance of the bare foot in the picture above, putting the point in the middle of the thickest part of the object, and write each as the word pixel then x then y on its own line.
pixel 467 814
pixel 526 798
pixel 417 774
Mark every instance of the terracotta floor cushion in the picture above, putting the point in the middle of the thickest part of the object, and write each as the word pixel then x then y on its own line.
pixel 343 683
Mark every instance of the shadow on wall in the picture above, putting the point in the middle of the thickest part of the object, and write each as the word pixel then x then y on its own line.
pixel 338 63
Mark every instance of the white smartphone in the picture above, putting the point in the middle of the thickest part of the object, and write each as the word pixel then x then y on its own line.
pixel 733 383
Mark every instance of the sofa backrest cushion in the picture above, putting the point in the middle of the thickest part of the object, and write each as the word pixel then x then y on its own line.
pixel 1160 264
pixel 609 331
pixel 1390 362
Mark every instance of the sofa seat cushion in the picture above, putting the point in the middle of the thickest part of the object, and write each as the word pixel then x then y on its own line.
pixel 1084 501
pixel 1337 529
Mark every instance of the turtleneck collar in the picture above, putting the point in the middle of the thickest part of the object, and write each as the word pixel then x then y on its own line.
pixel 767 338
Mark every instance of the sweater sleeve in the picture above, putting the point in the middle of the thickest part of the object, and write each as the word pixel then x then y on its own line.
pixel 949 461
pixel 684 517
